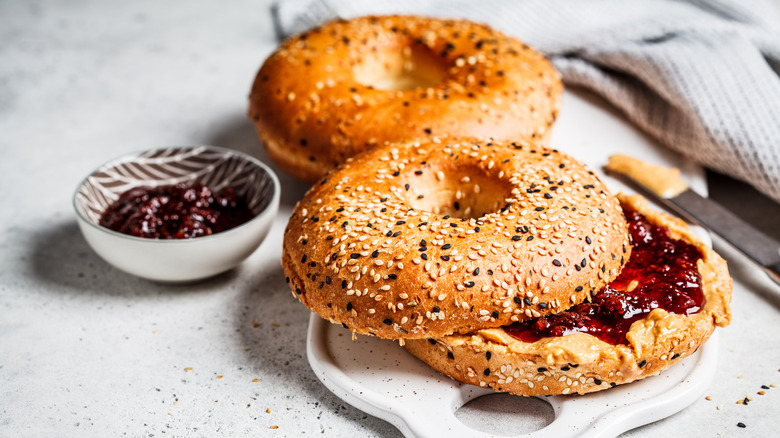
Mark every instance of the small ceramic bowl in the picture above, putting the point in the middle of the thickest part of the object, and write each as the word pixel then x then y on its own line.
pixel 178 260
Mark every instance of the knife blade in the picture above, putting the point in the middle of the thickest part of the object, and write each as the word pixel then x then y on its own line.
pixel 665 186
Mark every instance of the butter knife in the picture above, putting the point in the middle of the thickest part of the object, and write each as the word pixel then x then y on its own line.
pixel 665 185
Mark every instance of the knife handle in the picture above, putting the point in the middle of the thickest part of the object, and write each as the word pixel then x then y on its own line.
pixel 774 272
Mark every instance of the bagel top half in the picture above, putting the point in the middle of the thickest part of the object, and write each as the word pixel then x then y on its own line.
pixel 425 238
pixel 346 86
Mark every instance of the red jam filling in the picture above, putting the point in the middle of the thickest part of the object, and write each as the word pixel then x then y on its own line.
pixel 663 274
pixel 175 212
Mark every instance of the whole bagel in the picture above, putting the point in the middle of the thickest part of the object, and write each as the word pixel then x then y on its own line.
pixel 346 86
pixel 424 238
pixel 580 362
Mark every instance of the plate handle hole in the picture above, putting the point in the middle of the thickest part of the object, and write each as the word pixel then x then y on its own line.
pixel 506 414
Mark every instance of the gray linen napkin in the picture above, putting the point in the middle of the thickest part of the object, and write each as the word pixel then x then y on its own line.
pixel 701 76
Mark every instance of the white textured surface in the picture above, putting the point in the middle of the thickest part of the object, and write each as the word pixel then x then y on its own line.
pixel 86 350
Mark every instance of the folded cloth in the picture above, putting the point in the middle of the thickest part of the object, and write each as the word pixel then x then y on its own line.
pixel 701 76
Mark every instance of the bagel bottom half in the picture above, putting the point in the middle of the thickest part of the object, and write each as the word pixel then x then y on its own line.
pixel 581 363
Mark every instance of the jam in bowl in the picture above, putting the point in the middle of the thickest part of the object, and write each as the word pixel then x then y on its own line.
pixel 177 214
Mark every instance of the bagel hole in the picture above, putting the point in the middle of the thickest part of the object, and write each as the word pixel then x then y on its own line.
pixel 466 192
pixel 506 414
pixel 400 66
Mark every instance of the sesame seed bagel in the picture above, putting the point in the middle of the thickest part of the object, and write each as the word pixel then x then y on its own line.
pixel 580 362
pixel 346 86
pixel 429 238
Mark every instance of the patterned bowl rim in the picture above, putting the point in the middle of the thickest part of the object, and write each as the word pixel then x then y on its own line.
pixel 274 201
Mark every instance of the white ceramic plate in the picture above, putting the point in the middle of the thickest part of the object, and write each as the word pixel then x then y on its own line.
pixel 381 378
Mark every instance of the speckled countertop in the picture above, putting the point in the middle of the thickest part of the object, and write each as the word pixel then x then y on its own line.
pixel 86 350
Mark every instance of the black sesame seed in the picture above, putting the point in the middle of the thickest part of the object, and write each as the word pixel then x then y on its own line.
pixel 343 284
pixel 400 222
pixel 388 321
pixel 530 238
pixel 488 355
pixel 541 370
pixel 349 306
pixel 476 271
pixel 389 233
pixel 354 255
pixel 577 267
pixel 327 280
pixel 539 208
pixel 375 254
pixel 303 259
pixel 427 131
pixel 432 341
pixel 446 258
pixel 392 276
pixel 446 246
pixel 543 305
pixel 487 371
pixel 741 424
pixel 436 309
pixel 490 272
pixel 396 234
pixel 495 314
pixel 407 187
pixel 557 262
pixel 527 301
pixel 418 172
pixel 476 229
pixel 516 237
pixel 597 381
pixel 450 355
pixel 469 284
pixel 612 384
pixel 396 173
pixel 453 225
pixel 518 300
pixel 578 288
pixel 424 256
pixel 564 368
pixel 643 363
pixel 675 356
pixel 584 263
pixel 547 196
pixel 587 240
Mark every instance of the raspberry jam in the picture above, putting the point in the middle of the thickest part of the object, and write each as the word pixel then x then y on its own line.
pixel 661 273
pixel 175 212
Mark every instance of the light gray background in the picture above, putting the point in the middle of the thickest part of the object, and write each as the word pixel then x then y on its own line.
pixel 86 350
